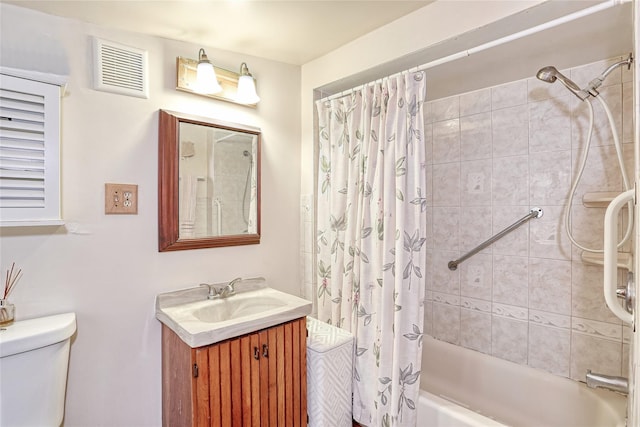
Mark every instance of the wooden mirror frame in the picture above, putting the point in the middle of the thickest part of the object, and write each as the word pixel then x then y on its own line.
pixel 168 185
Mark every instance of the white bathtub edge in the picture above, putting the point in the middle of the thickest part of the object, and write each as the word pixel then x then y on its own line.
pixel 435 411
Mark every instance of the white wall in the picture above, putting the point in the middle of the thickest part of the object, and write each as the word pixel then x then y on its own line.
pixel 107 269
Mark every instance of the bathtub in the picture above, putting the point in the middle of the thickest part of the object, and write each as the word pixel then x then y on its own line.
pixel 464 388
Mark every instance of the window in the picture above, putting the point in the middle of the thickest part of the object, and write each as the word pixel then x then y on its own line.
pixel 29 152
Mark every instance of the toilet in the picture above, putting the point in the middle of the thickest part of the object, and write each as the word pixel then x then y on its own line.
pixel 34 358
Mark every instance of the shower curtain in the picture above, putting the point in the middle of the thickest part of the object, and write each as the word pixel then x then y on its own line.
pixel 370 239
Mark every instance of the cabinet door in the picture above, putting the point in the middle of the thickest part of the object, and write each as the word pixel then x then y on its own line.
pixel 178 389
pixel 218 386
pixel 257 380
pixel 283 375
pixel 202 408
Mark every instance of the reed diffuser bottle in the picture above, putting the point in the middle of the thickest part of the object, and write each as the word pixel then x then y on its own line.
pixel 8 310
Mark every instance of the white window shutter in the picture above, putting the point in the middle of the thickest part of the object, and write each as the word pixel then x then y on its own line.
pixel 29 151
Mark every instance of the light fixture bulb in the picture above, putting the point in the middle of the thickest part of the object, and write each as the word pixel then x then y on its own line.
pixel 246 93
pixel 206 79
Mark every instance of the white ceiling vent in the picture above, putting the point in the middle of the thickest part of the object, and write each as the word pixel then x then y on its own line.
pixel 120 69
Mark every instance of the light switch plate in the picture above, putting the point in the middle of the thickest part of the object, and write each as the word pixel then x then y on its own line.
pixel 121 199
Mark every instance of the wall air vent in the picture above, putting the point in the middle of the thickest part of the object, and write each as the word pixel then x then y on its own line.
pixel 120 69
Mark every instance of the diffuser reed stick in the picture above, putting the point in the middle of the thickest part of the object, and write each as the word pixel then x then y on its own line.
pixel 11 280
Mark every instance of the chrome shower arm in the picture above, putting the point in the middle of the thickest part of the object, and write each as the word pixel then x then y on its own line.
pixel 597 82
pixel 626 62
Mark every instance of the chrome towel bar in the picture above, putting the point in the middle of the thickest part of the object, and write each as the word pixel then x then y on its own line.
pixel 533 213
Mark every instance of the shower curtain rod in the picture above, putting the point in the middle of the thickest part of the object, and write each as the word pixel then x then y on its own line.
pixel 497 42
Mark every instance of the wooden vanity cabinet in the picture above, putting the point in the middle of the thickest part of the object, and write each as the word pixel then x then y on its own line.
pixel 259 379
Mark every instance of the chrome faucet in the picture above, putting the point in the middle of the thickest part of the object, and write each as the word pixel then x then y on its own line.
pixel 619 384
pixel 230 289
pixel 216 292
pixel 213 292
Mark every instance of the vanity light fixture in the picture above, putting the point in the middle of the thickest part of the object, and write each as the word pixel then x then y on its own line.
pixel 246 93
pixel 206 79
pixel 203 78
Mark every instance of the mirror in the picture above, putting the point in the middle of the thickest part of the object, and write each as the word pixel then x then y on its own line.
pixel 208 183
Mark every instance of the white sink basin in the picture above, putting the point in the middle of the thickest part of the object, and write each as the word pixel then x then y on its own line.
pixel 222 310
pixel 199 321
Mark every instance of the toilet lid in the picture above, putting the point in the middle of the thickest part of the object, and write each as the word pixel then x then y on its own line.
pixel 26 335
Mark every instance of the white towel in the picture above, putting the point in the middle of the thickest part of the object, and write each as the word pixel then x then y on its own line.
pixel 187 215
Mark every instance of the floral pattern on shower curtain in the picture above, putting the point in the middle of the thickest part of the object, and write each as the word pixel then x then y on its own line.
pixel 371 229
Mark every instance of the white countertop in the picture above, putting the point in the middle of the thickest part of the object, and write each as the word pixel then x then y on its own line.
pixel 257 306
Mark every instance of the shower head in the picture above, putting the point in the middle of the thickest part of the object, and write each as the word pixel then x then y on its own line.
pixel 550 74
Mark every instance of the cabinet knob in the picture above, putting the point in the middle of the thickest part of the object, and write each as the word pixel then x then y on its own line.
pixel 256 353
pixel 265 350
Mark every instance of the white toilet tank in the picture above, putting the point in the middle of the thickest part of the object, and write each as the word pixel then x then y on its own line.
pixel 34 358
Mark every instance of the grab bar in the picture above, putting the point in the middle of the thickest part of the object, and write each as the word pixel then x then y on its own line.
pixel 533 213
pixel 610 260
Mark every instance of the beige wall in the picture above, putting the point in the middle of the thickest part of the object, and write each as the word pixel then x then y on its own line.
pixel 107 269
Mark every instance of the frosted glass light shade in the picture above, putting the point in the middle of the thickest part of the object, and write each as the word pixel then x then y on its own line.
pixel 247 91
pixel 206 79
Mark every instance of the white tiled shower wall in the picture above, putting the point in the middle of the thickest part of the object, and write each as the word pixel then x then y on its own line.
pixel 492 155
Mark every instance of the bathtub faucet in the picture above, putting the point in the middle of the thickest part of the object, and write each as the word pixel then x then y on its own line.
pixel 619 384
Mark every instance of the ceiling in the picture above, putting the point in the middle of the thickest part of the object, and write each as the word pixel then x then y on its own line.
pixel 294 32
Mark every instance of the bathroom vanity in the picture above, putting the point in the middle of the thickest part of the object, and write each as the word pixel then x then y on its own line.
pixel 234 361
pixel 258 379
